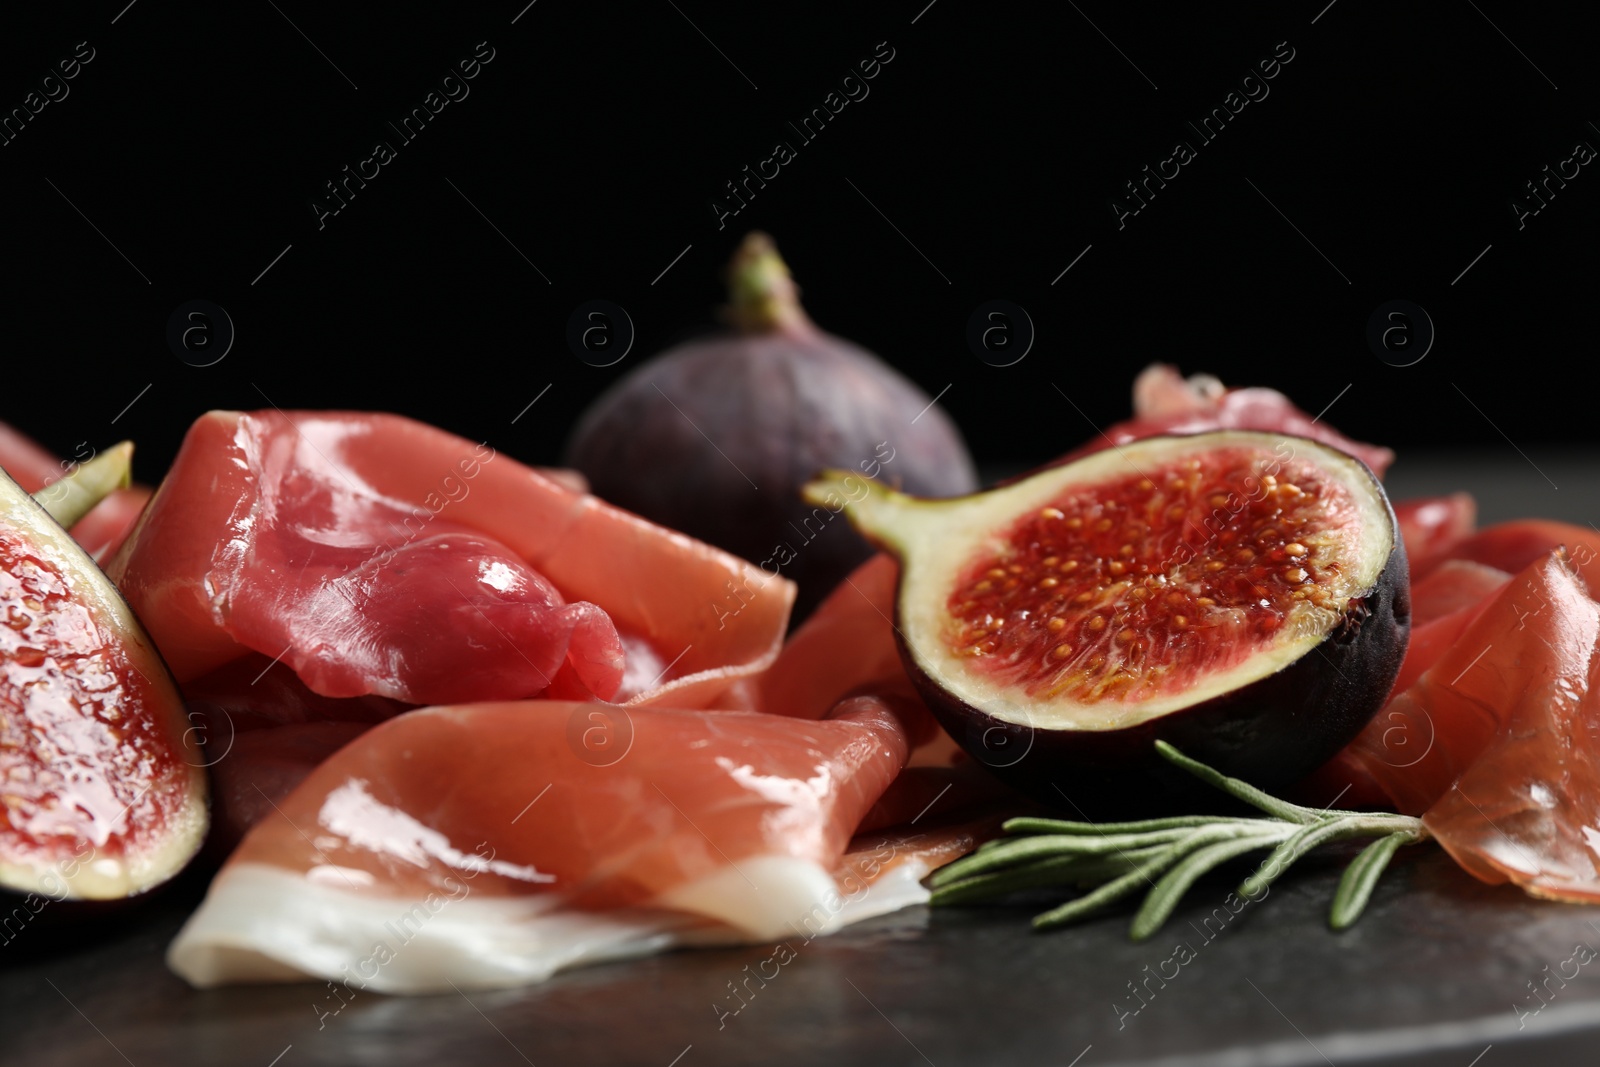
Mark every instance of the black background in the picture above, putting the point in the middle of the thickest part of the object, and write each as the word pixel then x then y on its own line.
pixel 596 139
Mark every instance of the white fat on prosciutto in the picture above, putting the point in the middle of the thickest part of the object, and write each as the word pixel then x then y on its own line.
pixel 496 844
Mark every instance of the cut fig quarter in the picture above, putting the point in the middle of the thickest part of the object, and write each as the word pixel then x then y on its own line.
pixel 103 785
pixel 1240 595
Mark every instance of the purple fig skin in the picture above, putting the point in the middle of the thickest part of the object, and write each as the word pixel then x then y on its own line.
pixel 716 436
pixel 1271 733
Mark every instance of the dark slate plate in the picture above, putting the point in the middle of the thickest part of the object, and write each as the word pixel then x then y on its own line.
pixel 1442 970
pixel 1437 972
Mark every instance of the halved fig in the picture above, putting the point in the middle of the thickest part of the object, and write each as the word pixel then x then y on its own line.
pixel 1241 595
pixel 102 789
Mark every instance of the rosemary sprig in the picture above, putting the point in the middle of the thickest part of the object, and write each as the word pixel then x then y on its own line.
pixel 1116 860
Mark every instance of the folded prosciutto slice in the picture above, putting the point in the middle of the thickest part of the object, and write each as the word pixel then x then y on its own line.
pixel 1166 402
pixel 1497 744
pixel 1511 546
pixel 102 531
pixel 1530 644
pixel 1526 806
pixel 307 574
pixel 263 732
pixel 484 845
pixel 1443 605
pixel 29 465
pixel 372 554
pixel 1433 525
pixel 845 645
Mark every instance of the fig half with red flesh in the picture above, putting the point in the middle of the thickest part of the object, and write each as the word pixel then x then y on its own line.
pixel 102 788
pixel 1241 595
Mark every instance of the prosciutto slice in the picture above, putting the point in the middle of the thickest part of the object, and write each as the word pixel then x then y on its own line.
pixel 1442 606
pixel 845 645
pixel 1531 645
pixel 1166 402
pixel 486 845
pixel 375 555
pixel 1511 546
pixel 1526 807
pixel 263 732
pixel 308 574
pixel 1497 745
pixel 1433 525
pixel 288 550
pixel 28 463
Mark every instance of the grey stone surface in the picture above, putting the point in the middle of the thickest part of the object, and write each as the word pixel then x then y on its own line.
pixel 1435 973
pixel 1439 972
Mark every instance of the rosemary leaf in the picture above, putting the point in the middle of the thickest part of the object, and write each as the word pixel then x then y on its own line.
pixel 1118 859
pixel 1032 825
pixel 1355 887
pixel 1065 870
pixel 1297 845
pixel 1161 901
pixel 1260 831
pixel 1109 893
pixel 1014 851
pixel 1239 790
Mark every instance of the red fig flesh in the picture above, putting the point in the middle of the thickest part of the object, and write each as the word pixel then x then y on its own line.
pixel 1241 595
pixel 104 791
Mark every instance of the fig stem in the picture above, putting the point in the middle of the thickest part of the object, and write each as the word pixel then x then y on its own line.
pixel 1115 860
pixel 762 296
pixel 73 497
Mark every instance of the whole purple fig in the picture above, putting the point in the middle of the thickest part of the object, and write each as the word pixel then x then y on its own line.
pixel 715 437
